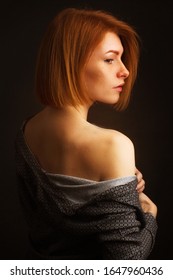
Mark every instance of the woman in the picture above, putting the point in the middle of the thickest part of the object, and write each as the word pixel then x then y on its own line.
pixel 81 192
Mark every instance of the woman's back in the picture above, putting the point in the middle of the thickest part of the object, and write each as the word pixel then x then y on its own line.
pixel 65 143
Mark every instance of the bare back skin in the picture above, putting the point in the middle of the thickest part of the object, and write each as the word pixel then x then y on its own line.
pixel 65 143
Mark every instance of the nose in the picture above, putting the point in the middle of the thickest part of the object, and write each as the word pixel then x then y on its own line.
pixel 123 72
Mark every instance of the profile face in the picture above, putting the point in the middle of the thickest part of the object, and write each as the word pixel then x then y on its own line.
pixel 104 74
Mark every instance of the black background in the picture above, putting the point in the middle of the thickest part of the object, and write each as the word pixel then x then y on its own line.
pixel 147 121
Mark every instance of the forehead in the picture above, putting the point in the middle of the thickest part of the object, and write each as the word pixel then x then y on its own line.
pixel 110 41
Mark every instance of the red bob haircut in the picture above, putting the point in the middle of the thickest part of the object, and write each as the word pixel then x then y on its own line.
pixel 66 46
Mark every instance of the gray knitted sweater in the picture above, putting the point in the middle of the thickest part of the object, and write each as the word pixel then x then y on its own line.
pixel 76 218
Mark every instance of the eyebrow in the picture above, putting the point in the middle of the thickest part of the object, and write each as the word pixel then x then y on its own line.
pixel 116 52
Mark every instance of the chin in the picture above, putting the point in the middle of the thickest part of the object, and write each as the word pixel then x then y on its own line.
pixel 112 101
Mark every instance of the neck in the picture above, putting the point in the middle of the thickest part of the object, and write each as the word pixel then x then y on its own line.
pixel 80 112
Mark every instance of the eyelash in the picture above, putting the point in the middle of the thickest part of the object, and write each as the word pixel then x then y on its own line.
pixel 109 60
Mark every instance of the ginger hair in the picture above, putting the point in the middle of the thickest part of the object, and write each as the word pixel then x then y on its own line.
pixel 66 46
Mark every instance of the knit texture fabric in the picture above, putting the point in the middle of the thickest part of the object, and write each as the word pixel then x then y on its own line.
pixel 107 223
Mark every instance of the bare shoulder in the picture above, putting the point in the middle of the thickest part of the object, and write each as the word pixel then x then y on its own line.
pixel 100 154
pixel 117 156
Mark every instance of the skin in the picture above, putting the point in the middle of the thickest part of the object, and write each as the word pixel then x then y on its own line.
pixel 141 182
pixel 105 71
pixel 57 136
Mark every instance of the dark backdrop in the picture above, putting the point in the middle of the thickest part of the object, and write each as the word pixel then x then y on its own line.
pixel 147 121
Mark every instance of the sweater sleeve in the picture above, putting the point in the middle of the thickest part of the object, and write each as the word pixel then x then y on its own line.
pixel 133 242
pixel 124 230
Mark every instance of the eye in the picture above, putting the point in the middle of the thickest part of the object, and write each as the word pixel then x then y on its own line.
pixel 109 60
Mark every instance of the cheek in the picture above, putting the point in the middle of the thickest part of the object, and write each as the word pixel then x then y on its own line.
pixel 92 77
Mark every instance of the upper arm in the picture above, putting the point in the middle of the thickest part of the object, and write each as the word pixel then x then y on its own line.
pixel 119 158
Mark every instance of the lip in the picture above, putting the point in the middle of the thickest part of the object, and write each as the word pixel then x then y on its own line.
pixel 119 88
pixel 120 85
